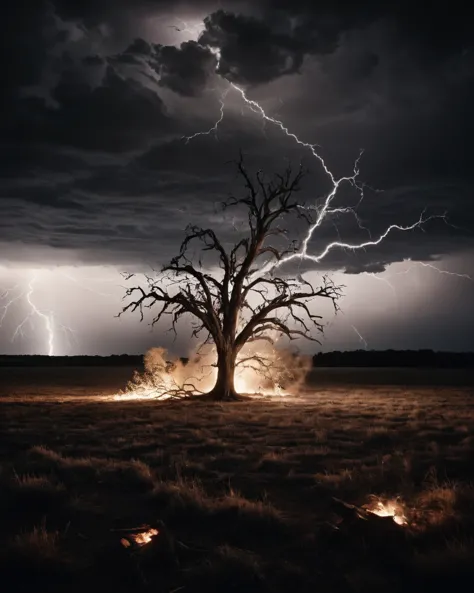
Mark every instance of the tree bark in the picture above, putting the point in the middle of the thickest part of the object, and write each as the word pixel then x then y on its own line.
pixel 224 389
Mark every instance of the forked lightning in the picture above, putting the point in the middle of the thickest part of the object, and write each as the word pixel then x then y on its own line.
pixel 325 209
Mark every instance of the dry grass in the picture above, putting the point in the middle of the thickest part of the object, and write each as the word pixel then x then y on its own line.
pixel 38 545
pixel 242 494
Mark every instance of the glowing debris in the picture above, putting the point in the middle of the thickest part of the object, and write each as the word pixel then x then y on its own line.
pixel 140 538
pixel 388 508
pixel 144 537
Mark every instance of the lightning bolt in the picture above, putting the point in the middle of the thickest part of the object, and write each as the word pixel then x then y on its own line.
pixel 5 308
pixel 351 246
pixel 349 210
pixel 49 326
pixel 384 280
pixel 433 267
pixel 360 336
pixel 213 129
pixel 325 209
pixel 411 268
pixel 46 319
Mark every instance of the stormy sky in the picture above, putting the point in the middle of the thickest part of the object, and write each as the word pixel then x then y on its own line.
pixel 97 176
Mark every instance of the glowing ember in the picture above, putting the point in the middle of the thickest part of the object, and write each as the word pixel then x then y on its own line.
pixel 144 537
pixel 389 508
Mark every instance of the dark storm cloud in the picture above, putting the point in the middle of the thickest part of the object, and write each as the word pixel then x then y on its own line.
pixel 187 69
pixel 140 47
pixel 136 212
pixel 96 12
pixel 117 115
pixel 370 268
pixel 251 52
pixel 87 89
pixel 121 209
pixel 28 33
pixel 93 61
pixel 436 24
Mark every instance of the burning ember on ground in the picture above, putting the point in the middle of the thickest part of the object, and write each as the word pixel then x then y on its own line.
pixel 139 539
pixel 144 537
pixel 388 508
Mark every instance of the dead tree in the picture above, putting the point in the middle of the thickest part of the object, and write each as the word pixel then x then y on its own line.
pixel 244 300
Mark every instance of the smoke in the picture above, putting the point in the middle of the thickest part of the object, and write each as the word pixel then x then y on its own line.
pixel 261 369
pixel 266 370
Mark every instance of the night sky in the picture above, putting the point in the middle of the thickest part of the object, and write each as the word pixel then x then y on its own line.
pixel 97 177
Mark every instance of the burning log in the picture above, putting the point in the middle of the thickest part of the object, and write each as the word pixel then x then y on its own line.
pixel 389 508
pixel 139 539
pixel 136 537
pixel 377 527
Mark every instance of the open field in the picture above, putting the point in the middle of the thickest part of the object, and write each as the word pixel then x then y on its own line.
pixel 242 494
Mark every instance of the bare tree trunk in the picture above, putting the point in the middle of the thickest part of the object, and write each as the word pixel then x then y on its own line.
pixel 224 388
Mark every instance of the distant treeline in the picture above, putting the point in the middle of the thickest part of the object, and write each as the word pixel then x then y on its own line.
pixel 394 358
pixel 351 358
pixel 37 360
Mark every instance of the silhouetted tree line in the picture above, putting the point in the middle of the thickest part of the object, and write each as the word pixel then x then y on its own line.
pixel 394 358
pixel 58 361
pixel 351 358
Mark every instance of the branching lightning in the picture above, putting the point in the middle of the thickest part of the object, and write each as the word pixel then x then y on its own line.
pixel 325 209
pixel 384 280
pixel 213 129
pixel 46 319
pixel 39 321
pixel 433 267
pixel 6 306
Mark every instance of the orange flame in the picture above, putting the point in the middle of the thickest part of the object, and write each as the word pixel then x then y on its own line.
pixel 144 537
pixel 389 508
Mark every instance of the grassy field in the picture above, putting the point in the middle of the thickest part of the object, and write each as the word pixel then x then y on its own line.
pixel 242 495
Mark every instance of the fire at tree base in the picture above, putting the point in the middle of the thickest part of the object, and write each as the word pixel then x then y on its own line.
pixel 259 371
